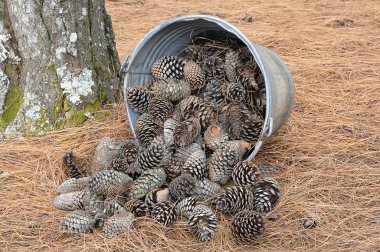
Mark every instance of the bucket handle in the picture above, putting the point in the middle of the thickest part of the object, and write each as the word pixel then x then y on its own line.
pixel 124 66
pixel 268 131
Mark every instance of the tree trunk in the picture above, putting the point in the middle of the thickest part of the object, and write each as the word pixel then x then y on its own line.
pixel 58 63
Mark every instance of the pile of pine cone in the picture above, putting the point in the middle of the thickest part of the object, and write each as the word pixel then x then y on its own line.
pixel 200 114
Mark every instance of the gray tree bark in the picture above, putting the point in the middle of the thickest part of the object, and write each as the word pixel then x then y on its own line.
pixel 58 63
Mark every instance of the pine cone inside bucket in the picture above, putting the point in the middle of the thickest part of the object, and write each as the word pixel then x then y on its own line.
pixel 214 136
pixel 235 92
pixel 138 98
pixel 160 109
pixel 214 68
pixel 194 74
pixel 171 89
pixel 213 95
pixel 187 131
pixel 146 129
pixel 194 106
pixel 167 67
pixel 231 62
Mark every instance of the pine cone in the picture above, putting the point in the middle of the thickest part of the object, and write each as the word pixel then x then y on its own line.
pixel 235 92
pixel 313 218
pixel 214 68
pixel 246 173
pixel 231 61
pixel 137 207
pixel 165 213
pixel 72 200
pixel 138 98
pixel 110 182
pixel 205 189
pixel 78 222
pixel 202 223
pixel 214 136
pixel 182 186
pixel 120 165
pixel 118 224
pixel 225 158
pixel 151 157
pixel 196 165
pixel 149 180
pixel 167 67
pixel 128 150
pixel 195 52
pixel 251 128
pixel 96 205
pixel 172 167
pixel 266 195
pixel 73 184
pixel 255 92
pixel 246 57
pixel 105 152
pixel 186 206
pixel 68 160
pixel 157 196
pixel 213 95
pixel 194 74
pixel 233 200
pixel 171 89
pixel 259 100
pixel 185 152
pixel 169 129
pixel 160 109
pixel 246 77
pixel 113 205
pixel 146 129
pixel 231 119
pixel 248 226
pixel 187 131
pixel 194 106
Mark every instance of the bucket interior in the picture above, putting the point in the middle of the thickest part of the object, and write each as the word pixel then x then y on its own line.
pixel 169 40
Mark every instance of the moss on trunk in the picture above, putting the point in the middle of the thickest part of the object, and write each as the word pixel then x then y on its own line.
pixel 13 102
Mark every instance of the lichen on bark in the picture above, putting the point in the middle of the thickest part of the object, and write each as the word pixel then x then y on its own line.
pixel 69 66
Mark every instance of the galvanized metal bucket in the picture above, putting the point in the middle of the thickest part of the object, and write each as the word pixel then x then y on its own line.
pixel 172 36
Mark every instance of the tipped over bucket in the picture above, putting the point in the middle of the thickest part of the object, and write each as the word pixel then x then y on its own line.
pixel 172 36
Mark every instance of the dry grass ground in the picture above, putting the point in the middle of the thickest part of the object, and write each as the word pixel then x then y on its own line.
pixel 328 154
